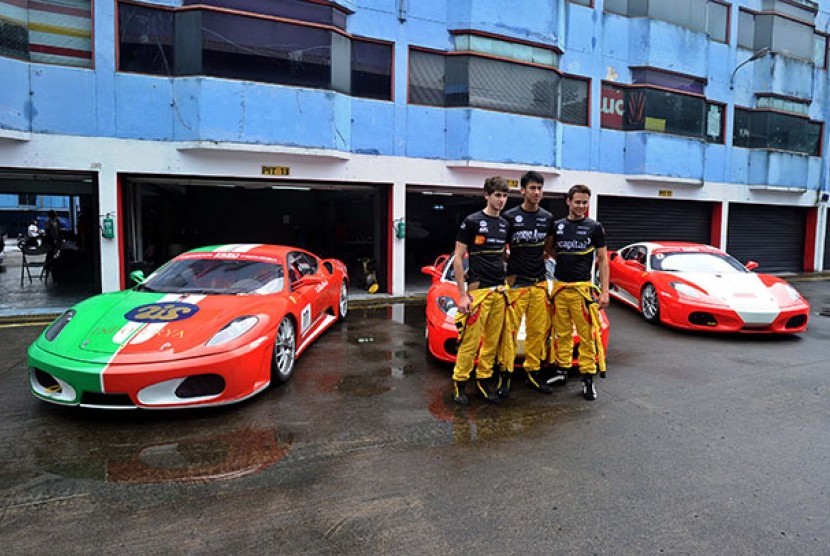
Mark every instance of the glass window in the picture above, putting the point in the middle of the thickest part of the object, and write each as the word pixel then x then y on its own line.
pixel 763 129
pixel 820 51
pixel 240 47
pixel 717 21
pixel 588 3
pixel 48 31
pixel 302 10
pixel 145 40
pixel 746 30
pixel 616 6
pixel 799 9
pixel 371 69
pixel 460 80
pixel 791 38
pixel 426 78
pixel 574 98
pixel 510 87
pixel 643 108
pixel 506 49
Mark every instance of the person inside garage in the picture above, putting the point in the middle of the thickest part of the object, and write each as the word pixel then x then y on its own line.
pixel 52 240
pixel 577 242
pixel 482 237
pixel 530 226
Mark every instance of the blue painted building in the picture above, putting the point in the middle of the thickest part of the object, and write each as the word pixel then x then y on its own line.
pixel 329 123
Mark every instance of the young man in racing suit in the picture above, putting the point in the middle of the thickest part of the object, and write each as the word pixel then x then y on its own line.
pixel 577 240
pixel 530 226
pixel 481 297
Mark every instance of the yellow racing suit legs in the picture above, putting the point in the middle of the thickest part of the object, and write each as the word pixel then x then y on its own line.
pixel 479 333
pixel 572 309
pixel 530 303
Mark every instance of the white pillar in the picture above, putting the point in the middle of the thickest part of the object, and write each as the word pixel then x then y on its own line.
pixel 108 205
pixel 398 245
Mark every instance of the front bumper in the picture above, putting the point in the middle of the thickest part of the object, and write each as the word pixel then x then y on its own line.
pixel 217 379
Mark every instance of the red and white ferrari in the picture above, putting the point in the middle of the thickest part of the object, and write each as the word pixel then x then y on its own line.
pixel 441 308
pixel 700 287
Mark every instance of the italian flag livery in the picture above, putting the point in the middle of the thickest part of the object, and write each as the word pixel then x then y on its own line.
pixel 210 327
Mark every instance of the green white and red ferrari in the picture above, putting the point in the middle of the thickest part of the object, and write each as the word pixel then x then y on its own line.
pixel 213 326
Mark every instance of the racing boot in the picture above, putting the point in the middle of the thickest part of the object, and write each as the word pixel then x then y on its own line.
pixel 556 376
pixel 534 380
pixel 484 390
pixel 459 393
pixel 589 390
pixel 503 390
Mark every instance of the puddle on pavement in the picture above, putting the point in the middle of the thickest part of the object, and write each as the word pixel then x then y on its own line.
pixel 196 458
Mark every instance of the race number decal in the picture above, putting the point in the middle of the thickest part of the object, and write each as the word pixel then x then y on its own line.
pixel 305 319
pixel 162 312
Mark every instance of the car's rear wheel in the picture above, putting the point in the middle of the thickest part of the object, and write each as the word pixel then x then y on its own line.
pixel 650 304
pixel 285 349
pixel 343 302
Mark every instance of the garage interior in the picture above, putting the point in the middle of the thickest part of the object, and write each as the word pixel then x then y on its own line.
pixel 76 272
pixel 166 216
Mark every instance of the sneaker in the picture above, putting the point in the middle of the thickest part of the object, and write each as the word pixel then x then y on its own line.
pixel 589 391
pixel 503 390
pixel 484 391
pixel 557 376
pixel 533 380
pixel 459 394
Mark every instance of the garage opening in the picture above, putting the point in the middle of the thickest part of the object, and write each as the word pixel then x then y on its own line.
pixel 433 216
pixel 166 216
pixel 632 219
pixel 771 235
pixel 25 201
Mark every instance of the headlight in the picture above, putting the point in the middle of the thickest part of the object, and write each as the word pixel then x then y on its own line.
pixel 448 305
pixel 792 292
pixel 686 289
pixel 56 327
pixel 233 330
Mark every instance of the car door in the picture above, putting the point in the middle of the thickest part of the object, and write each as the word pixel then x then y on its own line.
pixel 299 268
pixel 629 270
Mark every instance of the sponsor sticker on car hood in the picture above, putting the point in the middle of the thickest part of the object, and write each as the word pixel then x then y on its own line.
pixel 167 326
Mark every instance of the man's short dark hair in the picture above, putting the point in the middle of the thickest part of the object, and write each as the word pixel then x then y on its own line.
pixel 578 188
pixel 531 177
pixel 496 183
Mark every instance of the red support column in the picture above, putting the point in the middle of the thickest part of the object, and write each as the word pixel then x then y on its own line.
pixel 810 239
pixel 717 220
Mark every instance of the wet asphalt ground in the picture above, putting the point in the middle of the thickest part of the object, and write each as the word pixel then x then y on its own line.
pixel 697 445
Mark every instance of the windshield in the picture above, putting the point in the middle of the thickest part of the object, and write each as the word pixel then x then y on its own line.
pixel 696 262
pixel 216 276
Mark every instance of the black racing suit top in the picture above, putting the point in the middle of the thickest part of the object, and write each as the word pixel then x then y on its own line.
pixel 485 237
pixel 575 242
pixel 528 231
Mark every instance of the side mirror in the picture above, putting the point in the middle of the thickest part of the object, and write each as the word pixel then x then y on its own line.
pixel 751 265
pixel 137 276
pixel 612 256
pixel 430 270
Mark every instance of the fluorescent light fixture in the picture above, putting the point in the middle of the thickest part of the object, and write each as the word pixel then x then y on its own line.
pixel 291 187
pixel 439 193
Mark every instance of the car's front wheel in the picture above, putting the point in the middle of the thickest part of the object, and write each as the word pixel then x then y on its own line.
pixel 343 302
pixel 285 349
pixel 650 304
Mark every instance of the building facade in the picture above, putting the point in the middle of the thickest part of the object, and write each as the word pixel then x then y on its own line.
pixel 364 128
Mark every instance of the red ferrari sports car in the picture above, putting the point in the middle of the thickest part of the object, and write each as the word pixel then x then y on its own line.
pixel 699 287
pixel 441 307
pixel 213 326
